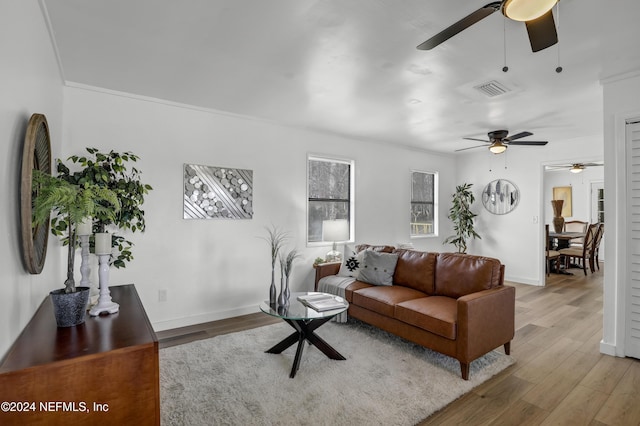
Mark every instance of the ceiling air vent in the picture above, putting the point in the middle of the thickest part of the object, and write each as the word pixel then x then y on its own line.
pixel 492 89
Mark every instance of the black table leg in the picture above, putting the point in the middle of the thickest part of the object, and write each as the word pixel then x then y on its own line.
pixel 305 332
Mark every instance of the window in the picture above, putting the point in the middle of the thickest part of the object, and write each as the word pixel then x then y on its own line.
pixel 424 204
pixel 330 189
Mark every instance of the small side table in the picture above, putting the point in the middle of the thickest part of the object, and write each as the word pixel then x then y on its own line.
pixel 305 321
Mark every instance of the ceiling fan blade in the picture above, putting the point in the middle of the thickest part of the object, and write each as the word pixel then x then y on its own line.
pixel 531 143
pixel 542 32
pixel 479 140
pixel 459 26
pixel 519 135
pixel 471 147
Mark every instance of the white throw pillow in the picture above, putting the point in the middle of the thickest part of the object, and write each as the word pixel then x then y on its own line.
pixel 351 264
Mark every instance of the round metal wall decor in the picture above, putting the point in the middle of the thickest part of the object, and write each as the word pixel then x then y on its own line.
pixel 36 155
pixel 500 196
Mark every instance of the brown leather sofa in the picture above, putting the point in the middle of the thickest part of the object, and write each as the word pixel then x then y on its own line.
pixel 456 304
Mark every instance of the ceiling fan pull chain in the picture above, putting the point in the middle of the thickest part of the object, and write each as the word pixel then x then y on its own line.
pixel 505 68
pixel 558 68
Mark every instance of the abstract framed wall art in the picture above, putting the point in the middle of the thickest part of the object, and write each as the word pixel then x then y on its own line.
pixel 217 192
pixel 564 193
pixel 500 196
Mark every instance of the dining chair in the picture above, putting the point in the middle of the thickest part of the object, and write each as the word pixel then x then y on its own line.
pixel 576 226
pixel 551 255
pixel 594 261
pixel 583 254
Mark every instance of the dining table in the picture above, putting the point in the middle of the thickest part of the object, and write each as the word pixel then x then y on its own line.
pixel 560 240
pixel 563 239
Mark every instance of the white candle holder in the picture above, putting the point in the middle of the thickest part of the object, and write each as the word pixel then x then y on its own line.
pixel 85 269
pixel 105 304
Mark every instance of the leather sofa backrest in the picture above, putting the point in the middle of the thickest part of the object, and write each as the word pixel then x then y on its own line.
pixel 415 269
pixel 382 249
pixel 460 274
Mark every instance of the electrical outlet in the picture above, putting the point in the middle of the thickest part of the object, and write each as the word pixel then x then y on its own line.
pixel 162 295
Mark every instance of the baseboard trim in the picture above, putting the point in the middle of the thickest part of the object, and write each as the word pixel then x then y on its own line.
pixel 607 349
pixel 202 318
pixel 521 280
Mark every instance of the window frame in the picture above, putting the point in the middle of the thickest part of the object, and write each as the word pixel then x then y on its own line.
pixel 436 221
pixel 351 200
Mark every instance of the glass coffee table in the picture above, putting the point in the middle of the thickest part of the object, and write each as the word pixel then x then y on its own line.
pixel 305 321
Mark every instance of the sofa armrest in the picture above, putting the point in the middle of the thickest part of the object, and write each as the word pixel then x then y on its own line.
pixel 324 270
pixel 486 320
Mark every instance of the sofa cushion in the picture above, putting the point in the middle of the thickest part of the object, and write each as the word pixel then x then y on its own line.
pixel 416 269
pixel 459 274
pixel 377 268
pixel 382 299
pixel 354 286
pixel 436 314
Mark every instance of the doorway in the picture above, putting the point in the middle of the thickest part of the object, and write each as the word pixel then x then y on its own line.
pixel 597 210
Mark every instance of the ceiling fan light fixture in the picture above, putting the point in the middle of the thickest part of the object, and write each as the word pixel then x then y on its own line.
pixel 526 10
pixel 497 147
pixel 576 168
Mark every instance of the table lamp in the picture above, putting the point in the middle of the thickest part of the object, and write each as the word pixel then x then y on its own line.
pixel 335 231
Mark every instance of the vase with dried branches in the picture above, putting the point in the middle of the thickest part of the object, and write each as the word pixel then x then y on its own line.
pixel 286 266
pixel 275 239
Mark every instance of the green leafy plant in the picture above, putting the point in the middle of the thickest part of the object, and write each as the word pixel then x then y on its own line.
pixel 112 170
pixel 462 217
pixel 70 204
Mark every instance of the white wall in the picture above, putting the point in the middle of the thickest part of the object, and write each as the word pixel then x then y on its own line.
pixel 517 237
pixel 30 83
pixel 214 269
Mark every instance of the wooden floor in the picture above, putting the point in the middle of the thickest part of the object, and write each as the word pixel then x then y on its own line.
pixel 560 377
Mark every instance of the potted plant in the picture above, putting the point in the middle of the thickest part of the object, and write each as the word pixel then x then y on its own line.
pixel 112 170
pixel 71 204
pixel 462 217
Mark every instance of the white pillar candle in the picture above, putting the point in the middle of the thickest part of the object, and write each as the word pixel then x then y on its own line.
pixel 85 227
pixel 103 243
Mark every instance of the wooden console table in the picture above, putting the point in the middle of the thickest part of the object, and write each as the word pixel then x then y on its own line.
pixel 105 371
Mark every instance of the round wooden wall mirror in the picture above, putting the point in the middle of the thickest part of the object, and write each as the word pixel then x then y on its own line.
pixel 36 155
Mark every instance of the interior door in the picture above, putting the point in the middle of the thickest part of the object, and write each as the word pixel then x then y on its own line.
pixel 632 320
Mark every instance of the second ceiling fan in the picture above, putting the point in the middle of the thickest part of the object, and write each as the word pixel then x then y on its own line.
pixel 536 14
pixel 499 140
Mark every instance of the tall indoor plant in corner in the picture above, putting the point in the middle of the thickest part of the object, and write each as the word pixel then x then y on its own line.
pixel 71 204
pixel 112 170
pixel 462 217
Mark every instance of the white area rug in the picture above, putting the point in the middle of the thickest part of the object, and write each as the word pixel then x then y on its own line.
pixel 230 380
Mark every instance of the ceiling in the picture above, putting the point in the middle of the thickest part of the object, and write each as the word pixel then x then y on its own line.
pixel 347 67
